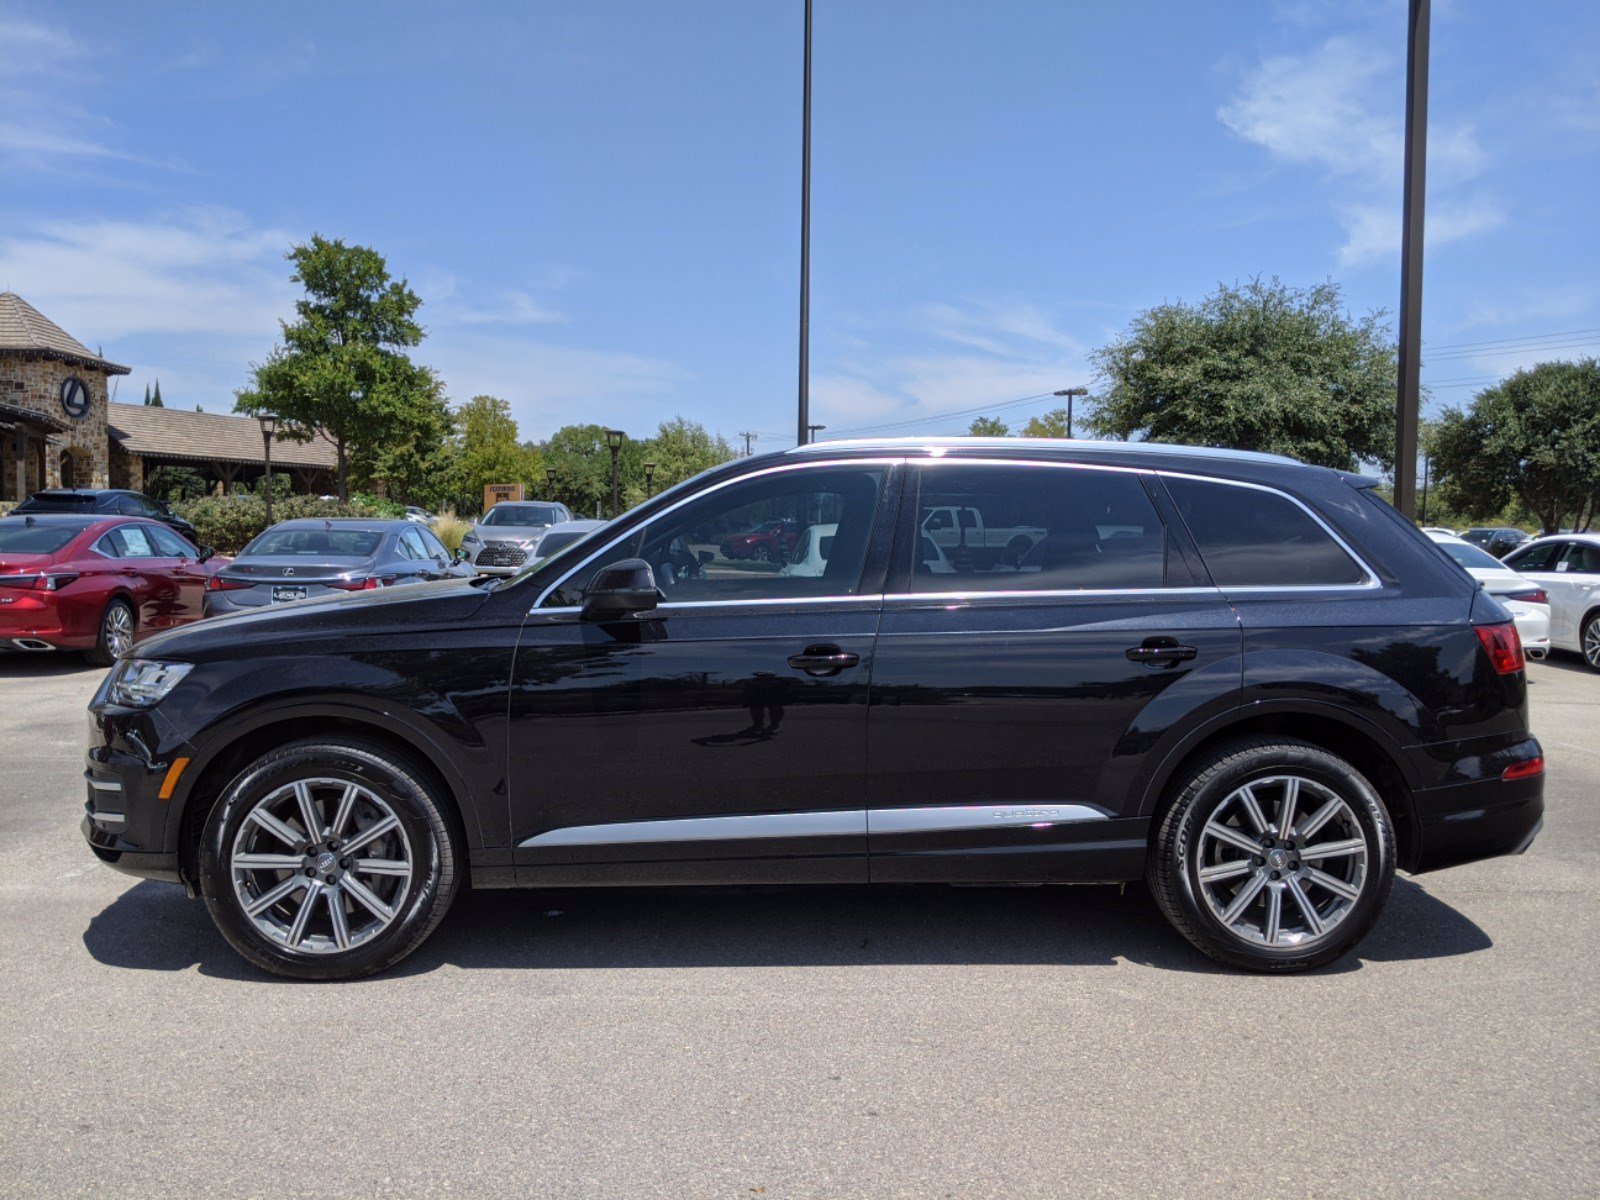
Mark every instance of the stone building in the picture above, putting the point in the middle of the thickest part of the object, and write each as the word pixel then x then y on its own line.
pixel 58 427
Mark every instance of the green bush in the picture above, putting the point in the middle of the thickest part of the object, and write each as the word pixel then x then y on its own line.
pixel 227 523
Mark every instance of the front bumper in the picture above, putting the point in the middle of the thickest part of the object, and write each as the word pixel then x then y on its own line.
pixel 126 823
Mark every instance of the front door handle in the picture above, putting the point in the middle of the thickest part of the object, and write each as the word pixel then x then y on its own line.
pixel 1160 652
pixel 823 660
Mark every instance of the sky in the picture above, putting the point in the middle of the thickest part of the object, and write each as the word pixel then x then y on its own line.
pixel 599 203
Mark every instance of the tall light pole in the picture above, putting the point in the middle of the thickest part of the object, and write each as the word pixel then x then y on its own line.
pixel 614 440
pixel 1408 404
pixel 269 426
pixel 803 425
pixel 649 480
pixel 1069 393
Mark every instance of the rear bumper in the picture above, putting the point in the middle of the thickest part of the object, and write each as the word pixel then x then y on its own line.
pixel 1483 818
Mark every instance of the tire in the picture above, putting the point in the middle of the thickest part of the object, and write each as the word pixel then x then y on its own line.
pixel 1589 640
pixel 1199 876
pixel 114 636
pixel 761 554
pixel 320 926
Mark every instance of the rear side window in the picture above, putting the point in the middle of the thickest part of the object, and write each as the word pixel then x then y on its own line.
pixel 1250 537
pixel 1018 528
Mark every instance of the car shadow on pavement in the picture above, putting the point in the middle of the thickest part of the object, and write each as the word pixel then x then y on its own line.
pixel 152 927
pixel 16 664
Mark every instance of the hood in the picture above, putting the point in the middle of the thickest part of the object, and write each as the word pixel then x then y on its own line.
pixel 509 533
pixel 332 617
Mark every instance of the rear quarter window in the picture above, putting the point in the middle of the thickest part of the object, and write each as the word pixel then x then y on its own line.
pixel 1252 537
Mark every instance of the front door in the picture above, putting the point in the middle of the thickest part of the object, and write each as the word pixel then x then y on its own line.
pixel 1014 696
pixel 721 736
pixel 1569 572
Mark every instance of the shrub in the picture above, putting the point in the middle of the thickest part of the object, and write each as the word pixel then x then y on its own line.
pixel 227 523
pixel 450 529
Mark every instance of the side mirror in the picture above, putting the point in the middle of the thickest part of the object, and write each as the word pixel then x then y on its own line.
pixel 205 553
pixel 624 587
pixel 460 554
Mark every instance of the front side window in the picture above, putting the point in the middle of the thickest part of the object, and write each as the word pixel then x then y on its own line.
pixel 1252 537
pixel 1002 527
pixel 129 506
pixel 738 542
pixel 169 544
pixel 1580 559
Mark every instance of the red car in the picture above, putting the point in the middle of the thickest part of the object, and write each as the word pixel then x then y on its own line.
pixel 769 542
pixel 95 583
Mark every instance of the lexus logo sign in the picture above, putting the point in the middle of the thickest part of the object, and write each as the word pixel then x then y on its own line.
pixel 288 570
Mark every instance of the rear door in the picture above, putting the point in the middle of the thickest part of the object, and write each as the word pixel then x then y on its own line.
pixel 1013 700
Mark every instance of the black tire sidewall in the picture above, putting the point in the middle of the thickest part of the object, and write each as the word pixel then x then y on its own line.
pixel 435 857
pixel 1258 762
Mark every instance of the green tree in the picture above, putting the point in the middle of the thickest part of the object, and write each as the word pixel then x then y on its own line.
pixel 1533 438
pixel 147 395
pixel 342 366
pixel 1052 424
pixel 581 460
pixel 680 449
pixel 155 400
pixel 1257 366
pixel 489 452
pixel 988 427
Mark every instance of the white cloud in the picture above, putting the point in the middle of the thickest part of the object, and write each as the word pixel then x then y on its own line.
pixel 955 357
pixel 1338 109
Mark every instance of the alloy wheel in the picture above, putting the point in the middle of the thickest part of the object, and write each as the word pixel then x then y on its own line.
pixel 1591 643
pixel 118 629
pixel 321 865
pixel 1282 861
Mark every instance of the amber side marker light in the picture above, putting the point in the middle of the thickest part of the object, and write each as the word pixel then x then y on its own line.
pixel 175 772
pixel 1521 770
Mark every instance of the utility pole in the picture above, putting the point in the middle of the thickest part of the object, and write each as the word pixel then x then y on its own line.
pixel 1408 404
pixel 748 439
pixel 813 430
pixel 803 425
pixel 1069 393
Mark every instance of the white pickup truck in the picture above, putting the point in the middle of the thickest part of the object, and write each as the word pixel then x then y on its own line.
pixel 960 531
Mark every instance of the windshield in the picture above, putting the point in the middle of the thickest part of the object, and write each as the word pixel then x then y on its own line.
pixel 1470 556
pixel 314 543
pixel 521 514
pixel 22 538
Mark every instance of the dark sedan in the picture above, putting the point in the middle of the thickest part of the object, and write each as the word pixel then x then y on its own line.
pixel 295 560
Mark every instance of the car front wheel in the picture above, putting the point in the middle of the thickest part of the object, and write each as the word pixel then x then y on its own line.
pixel 1589 639
pixel 1274 855
pixel 329 859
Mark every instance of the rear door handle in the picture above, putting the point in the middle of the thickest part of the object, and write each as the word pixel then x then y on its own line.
pixel 823 660
pixel 1160 652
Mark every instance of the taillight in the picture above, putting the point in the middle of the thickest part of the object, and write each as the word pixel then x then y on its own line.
pixel 216 583
pixel 1503 646
pixel 361 585
pixel 44 581
pixel 1532 596
pixel 1522 770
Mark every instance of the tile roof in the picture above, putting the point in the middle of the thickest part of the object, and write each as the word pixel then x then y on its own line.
pixel 12 415
pixel 24 328
pixel 209 437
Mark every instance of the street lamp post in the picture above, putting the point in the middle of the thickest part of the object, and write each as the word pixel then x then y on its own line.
pixel 1069 393
pixel 805 241
pixel 550 481
pixel 269 426
pixel 649 480
pixel 614 440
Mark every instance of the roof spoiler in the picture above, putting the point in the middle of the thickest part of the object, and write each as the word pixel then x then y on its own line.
pixel 1359 481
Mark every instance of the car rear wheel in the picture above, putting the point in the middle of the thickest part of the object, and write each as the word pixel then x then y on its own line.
pixel 329 859
pixel 115 636
pixel 1274 855
pixel 761 554
pixel 1589 639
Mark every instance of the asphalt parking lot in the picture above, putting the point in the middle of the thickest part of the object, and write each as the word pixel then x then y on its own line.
pixel 797 1043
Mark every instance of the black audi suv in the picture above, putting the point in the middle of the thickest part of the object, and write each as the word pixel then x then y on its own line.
pixel 1248 681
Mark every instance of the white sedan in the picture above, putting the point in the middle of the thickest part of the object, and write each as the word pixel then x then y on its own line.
pixel 1528 602
pixel 1567 566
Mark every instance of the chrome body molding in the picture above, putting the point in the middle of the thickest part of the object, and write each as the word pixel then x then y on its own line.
pixel 705 829
pixel 938 818
pixel 839 823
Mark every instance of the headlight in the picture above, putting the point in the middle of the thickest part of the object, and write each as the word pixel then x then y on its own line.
pixel 143 682
pixel 470 537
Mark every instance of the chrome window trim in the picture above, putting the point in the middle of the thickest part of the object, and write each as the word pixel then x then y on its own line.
pixel 809 465
pixel 1056 594
pixel 836 823
pixel 864 599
